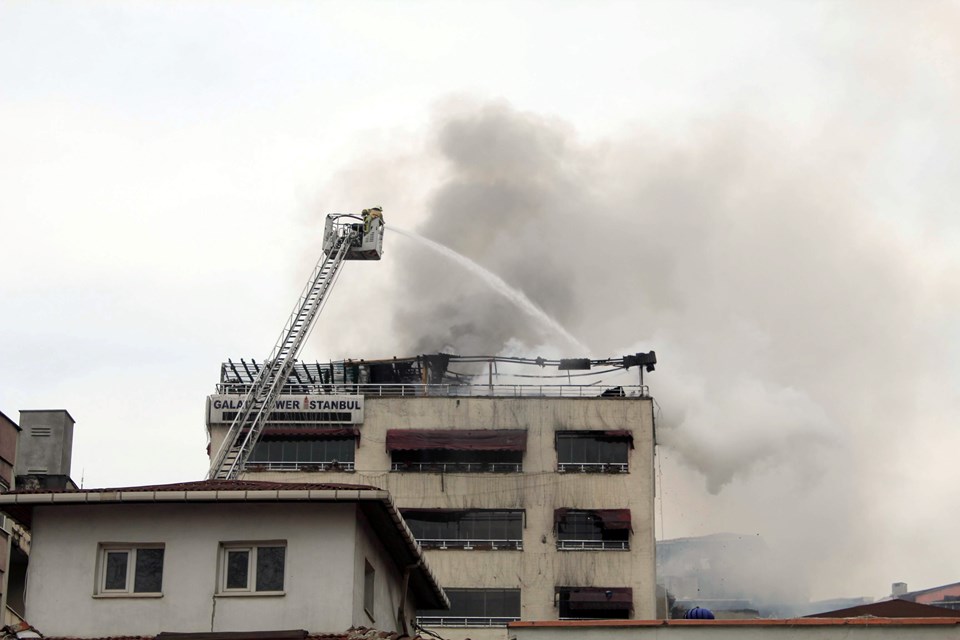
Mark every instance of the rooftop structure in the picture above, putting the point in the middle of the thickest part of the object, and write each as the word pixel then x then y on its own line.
pixel 448 375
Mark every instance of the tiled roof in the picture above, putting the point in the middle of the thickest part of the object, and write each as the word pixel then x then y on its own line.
pixel 910 595
pixel 216 485
pixel 890 609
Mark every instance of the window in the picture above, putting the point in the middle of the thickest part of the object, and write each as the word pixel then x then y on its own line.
pixel 252 568
pixel 466 529
pixel 288 453
pixel 457 450
pixel 474 608
pixel 130 569
pixel 594 451
pixel 599 603
pixel 597 529
pixel 369 588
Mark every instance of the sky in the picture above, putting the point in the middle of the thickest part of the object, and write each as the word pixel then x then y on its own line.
pixel 763 192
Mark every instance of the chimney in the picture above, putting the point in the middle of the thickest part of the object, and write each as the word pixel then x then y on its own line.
pixel 45 449
pixel 899 589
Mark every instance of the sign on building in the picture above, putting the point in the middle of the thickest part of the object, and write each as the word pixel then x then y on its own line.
pixel 328 409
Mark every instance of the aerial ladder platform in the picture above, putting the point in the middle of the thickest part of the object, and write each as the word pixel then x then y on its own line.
pixel 345 237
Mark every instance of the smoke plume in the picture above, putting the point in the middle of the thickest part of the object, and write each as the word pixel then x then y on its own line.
pixel 801 321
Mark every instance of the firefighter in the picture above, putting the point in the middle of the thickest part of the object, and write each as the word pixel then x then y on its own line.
pixel 368 217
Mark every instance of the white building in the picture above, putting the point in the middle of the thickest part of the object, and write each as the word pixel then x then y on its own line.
pixel 216 556
pixel 533 501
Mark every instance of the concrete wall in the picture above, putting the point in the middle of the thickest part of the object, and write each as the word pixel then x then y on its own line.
pixel 388 584
pixel 321 556
pixel 538 491
pixel 46 443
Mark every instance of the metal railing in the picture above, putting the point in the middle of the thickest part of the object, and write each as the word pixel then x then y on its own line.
pixel 457 467
pixel 592 467
pixel 593 545
pixel 467 545
pixel 299 466
pixel 465 621
pixel 449 390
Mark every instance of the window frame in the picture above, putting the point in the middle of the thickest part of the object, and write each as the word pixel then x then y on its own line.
pixel 253 555
pixel 369 589
pixel 564 439
pixel 563 598
pixel 456 618
pixel 130 549
pixel 457 450
pixel 452 461
pixel 583 530
pixel 459 523
pixel 294 453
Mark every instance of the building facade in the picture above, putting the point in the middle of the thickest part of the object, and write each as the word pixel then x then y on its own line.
pixel 216 556
pixel 531 504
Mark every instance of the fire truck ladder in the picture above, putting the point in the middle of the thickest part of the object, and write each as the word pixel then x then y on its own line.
pixel 258 402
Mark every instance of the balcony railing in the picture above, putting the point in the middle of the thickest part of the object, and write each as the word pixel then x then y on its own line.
pixel 593 545
pixel 479 544
pixel 592 467
pixel 457 467
pixel 299 466
pixel 465 621
pixel 450 390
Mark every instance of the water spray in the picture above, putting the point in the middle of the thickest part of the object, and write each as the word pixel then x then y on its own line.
pixel 515 296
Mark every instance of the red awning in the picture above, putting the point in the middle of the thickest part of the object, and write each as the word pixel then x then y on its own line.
pixel 610 518
pixel 600 598
pixel 457 440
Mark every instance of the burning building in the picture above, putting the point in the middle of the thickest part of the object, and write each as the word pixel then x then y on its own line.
pixel 533 499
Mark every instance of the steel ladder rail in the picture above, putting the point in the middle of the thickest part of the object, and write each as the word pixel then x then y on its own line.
pixel 245 430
